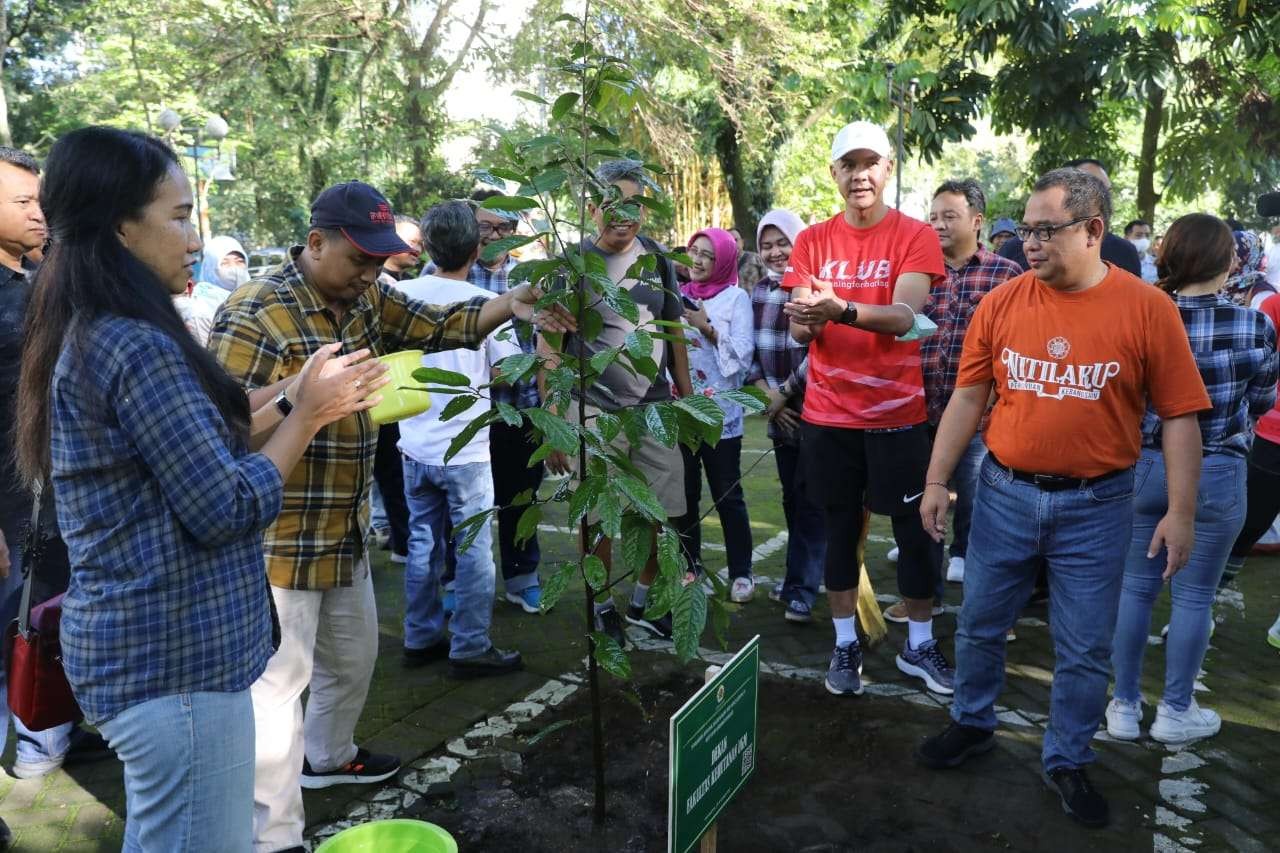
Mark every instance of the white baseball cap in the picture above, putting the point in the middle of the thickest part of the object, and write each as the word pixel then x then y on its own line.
pixel 859 135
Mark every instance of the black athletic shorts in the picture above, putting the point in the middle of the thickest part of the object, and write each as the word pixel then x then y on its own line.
pixel 883 470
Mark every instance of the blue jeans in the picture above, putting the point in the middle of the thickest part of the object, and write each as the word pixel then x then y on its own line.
pixel 188 771
pixel 32 747
pixel 436 494
pixel 806 528
pixel 965 479
pixel 1220 511
pixel 1083 535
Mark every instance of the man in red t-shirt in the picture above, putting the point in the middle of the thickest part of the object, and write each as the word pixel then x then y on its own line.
pixel 857 282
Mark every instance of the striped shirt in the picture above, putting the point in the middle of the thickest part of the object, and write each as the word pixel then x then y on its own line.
pixel 778 356
pixel 263 333
pixel 1235 349
pixel 162 509
pixel 951 306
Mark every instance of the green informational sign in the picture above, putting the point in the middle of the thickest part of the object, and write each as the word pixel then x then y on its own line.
pixel 713 748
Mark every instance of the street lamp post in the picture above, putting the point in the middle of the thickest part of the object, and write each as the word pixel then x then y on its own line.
pixel 216 129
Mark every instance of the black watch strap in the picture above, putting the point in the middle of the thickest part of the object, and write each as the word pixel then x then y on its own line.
pixel 283 404
pixel 850 314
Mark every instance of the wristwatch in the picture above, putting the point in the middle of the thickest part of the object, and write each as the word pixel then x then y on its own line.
pixel 282 404
pixel 850 314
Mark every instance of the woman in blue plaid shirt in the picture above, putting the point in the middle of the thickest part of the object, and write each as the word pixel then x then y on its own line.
pixel 1235 349
pixel 167 620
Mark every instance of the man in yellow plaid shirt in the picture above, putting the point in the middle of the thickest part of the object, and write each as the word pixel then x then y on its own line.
pixel 317 551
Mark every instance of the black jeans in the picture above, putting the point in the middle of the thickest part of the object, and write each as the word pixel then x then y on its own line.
pixel 389 475
pixel 806 528
pixel 509 452
pixel 723 464
pixel 1263 497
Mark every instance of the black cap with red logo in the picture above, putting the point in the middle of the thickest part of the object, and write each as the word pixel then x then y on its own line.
pixel 363 215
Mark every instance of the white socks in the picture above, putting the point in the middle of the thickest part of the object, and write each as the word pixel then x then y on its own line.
pixel 919 633
pixel 639 595
pixel 846 630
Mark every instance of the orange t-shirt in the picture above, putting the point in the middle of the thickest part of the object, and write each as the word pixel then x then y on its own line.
pixel 859 379
pixel 1073 371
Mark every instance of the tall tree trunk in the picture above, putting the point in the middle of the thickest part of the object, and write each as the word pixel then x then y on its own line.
pixel 6 136
pixel 736 180
pixel 1147 197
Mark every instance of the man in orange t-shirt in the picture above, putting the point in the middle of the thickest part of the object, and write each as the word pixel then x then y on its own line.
pixel 1075 349
pixel 857 282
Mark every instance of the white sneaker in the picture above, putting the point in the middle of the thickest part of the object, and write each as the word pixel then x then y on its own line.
pixel 742 590
pixel 1273 634
pixel 1124 719
pixel 955 570
pixel 1178 726
pixel 892 556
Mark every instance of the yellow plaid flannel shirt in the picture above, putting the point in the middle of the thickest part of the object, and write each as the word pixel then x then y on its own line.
pixel 263 333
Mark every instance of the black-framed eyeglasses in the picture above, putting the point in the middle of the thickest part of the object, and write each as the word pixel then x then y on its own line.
pixel 487 228
pixel 1044 233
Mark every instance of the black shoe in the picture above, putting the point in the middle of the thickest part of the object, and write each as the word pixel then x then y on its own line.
pixel 610 623
pixel 660 628
pixel 6 836
pixel 493 662
pixel 367 767
pixel 86 747
pixel 955 744
pixel 1080 800
pixel 414 658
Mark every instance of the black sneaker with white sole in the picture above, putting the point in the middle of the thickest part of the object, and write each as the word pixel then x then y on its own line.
pixel 660 628
pixel 366 768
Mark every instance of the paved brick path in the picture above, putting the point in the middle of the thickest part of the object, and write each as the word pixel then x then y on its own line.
pixel 1219 794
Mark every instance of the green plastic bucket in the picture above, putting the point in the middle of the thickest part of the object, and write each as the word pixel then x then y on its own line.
pixel 403 397
pixel 391 836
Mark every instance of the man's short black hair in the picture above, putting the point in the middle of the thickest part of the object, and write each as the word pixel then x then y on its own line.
pixel 967 187
pixel 481 195
pixel 1234 224
pixel 451 234
pixel 19 158
pixel 1085 195
pixel 1086 161
pixel 1134 224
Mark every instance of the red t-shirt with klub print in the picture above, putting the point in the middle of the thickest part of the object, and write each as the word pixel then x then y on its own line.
pixel 1073 372
pixel 860 379
pixel 1269 424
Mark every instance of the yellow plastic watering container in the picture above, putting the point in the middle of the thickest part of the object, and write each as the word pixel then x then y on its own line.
pixel 391 836
pixel 404 396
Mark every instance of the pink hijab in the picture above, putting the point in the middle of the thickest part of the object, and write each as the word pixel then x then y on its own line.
pixel 724 272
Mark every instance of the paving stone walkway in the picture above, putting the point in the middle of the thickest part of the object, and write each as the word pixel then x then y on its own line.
pixel 1218 794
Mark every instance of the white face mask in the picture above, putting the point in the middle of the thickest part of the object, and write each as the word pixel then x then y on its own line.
pixel 1141 244
pixel 232 277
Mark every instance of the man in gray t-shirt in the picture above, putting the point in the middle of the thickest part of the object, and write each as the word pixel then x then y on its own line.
pixel 657 297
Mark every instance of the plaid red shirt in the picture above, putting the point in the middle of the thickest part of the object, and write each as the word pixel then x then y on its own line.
pixel 951 307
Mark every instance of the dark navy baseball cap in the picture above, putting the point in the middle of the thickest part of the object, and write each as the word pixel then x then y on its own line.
pixel 363 215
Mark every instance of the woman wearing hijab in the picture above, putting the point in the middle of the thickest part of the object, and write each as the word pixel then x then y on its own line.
pixel 223 268
pixel 720 349
pixel 779 368
pixel 1248 285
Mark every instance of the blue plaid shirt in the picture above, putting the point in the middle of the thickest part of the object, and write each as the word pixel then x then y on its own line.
pixel 524 394
pixel 1235 349
pixel 162 510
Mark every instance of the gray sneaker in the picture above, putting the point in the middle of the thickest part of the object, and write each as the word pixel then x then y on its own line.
pixel 843 676
pixel 928 664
